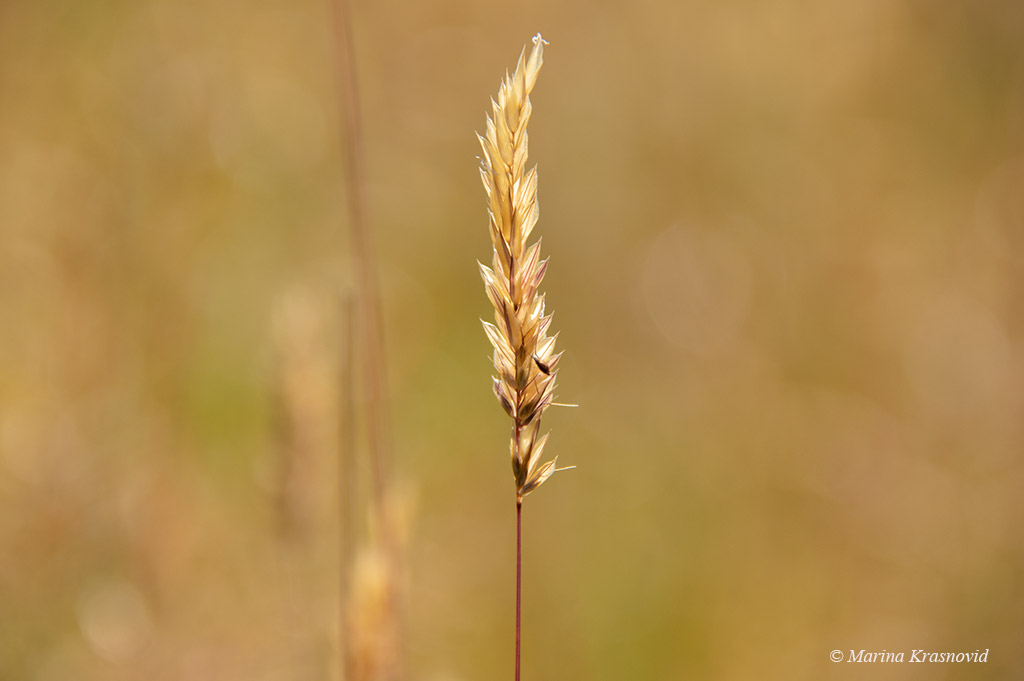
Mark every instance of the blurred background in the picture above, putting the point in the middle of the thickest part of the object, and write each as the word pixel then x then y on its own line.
pixel 787 264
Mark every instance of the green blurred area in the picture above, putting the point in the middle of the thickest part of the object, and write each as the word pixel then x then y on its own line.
pixel 787 260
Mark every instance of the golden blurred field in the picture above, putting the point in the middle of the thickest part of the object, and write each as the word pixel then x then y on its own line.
pixel 787 262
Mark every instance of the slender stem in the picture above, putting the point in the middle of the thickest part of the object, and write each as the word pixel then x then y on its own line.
pixel 346 472
pixel 519 574
pixel 367 286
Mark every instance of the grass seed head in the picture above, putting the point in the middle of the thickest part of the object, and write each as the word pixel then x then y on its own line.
pixel 524 355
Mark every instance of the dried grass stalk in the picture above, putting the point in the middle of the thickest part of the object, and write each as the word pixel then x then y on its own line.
pixel 524 354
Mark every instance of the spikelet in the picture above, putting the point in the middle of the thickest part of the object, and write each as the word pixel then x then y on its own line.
pixel 524 355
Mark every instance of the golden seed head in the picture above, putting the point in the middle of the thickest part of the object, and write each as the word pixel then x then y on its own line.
pixel 524 355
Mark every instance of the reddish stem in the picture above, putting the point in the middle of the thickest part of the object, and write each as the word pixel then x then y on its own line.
pixel 519 573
